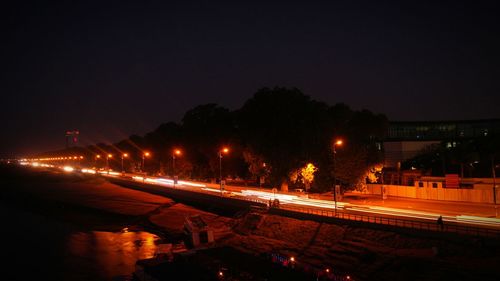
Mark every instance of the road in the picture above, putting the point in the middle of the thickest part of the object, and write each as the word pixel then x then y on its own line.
pixel 353 205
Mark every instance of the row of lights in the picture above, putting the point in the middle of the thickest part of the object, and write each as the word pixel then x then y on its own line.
pixel 55 158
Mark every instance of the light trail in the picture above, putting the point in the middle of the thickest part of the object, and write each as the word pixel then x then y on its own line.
pixel 88 171
pixel 68 169
pixel 289 199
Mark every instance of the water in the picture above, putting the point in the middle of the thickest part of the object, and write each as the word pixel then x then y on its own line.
pixel 36 247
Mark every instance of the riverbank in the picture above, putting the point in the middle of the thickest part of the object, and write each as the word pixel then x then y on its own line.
pixel 363 254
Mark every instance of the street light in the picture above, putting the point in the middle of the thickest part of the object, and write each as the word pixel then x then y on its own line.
pixel 96 158
pixel 124 155
pixel 336 143
pixel 144 155
pixel 493 173
pixel 224 150
pixel 107 160
pixel 174 153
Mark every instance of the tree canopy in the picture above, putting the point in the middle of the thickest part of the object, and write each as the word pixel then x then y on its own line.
pixel 275 134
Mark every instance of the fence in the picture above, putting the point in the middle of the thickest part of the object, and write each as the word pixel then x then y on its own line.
pixel 429 193
pixel 396 222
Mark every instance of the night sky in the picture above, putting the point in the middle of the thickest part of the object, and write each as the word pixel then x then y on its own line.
pixel 116 69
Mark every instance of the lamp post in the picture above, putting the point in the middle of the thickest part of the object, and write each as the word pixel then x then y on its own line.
pixel 493 172
pixel 336 143
pixel 174 153
pixel 124 155
pixel 223 150
pixel 96 158
pixel 144 155
pixel 107 160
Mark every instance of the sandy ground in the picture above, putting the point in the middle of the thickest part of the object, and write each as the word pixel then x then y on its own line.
pixel 365 254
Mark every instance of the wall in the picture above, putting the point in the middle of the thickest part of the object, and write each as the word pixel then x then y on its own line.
pixel 429 193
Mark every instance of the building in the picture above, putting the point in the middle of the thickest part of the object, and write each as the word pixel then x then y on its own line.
pixel 407 139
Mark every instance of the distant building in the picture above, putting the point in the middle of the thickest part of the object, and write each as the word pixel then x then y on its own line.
pixel 407 139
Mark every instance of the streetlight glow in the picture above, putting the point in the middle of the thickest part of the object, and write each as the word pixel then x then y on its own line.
pixel 223 150
pixel 144 155
pixel 107 160
pixel 336 143
pixel 124 155
pixel 174 153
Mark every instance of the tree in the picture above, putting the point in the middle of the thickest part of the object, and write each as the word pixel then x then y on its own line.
pixel 285 127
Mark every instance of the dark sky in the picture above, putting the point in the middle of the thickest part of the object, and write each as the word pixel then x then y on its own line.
pixel 125 67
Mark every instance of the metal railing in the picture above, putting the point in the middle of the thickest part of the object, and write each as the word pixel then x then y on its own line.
pixel 397 222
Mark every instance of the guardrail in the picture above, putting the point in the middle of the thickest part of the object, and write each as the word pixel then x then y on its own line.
pixel 420 225
pixel 397 222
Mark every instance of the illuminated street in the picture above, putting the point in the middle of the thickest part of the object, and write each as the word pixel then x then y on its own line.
pixel 250 141
pixel 471 214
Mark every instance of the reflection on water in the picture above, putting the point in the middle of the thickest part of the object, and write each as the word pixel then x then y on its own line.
pixel 108 254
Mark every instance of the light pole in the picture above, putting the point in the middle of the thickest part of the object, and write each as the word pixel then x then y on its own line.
pixel 107 160
pixel 96 158
pixel 223 150
pixel 178 153
pixel 339 143
pixel 493 172
pixel 144 155
pixel 124 155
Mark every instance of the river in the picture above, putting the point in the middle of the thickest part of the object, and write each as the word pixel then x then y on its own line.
pixel 37 247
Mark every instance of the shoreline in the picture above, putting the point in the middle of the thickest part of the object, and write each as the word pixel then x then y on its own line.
pixel 368 254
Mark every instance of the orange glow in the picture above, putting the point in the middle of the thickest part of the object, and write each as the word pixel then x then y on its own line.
pixel 339 142
pixel 81 157
pixel 110 155
pixel 177 152
pixel 225 150
pixel 327 270
pixel 98 156
pixel 68 169
pixel 125 155
pixel 146 154
pixel 292 259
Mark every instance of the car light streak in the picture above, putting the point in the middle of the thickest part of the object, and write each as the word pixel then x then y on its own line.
pixel 286 198
pixel 479 220
pixel 68 169
pixel 88 171
pixel 137 178
pixel 211 189
pixel 191 184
